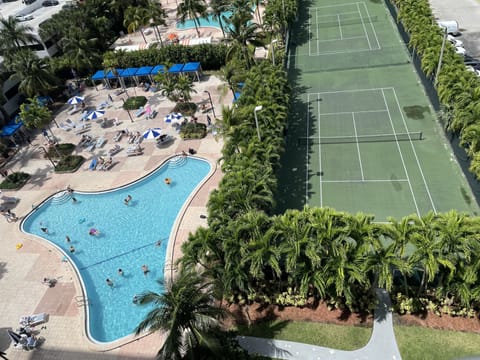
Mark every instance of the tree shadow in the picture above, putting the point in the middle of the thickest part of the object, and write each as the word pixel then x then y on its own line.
pixel 3 269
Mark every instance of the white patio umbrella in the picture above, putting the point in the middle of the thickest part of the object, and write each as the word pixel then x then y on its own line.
pixel 173 118
pixel 152 133
pixel 75 100
pixel 95 114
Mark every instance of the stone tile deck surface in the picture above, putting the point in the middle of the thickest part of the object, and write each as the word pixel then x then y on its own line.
pixel 21 271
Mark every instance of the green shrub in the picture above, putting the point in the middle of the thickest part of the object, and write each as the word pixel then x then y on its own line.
pixel 186 108
pixel 14 181
pixel 193 131
pixel 134 102
pixel 69 163
pixel 60 150
pixel 211 56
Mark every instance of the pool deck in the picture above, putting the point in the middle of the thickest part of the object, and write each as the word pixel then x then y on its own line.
pixel 22 270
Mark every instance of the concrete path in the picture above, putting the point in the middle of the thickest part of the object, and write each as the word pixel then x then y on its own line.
pixel 381 346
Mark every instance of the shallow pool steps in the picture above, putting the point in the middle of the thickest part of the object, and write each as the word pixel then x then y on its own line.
pixel 177 161
pixel 61 198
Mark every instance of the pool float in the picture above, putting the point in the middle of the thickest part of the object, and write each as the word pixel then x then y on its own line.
pixel 19 246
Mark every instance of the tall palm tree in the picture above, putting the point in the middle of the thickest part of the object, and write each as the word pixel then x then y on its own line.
pixel 80 52
pixel 218 8
pixel 192 9
pixel 158 17
pixel 32 72
pixel 135 18
pixel 14 34
pixel 187 313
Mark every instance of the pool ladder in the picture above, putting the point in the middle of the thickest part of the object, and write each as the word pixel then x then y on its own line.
pixel 81 301
pixel 177 161
pixel 61 198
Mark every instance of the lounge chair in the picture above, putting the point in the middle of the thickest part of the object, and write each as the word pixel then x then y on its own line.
pixel 115 150
pixel 9 199
pixel 33 320
pixel 73 110
pixel 106 165
pixel 140 112
pixel 65 126
pixel 134 150
pixel 84 116
pixel 164 139
pixel 85 141
pixel 93 164
pixel 100 142
pixel 91 146
pixel 80 129
pixel 70 123
pixel 118 136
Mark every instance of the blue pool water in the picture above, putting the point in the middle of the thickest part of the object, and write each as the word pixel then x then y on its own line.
pixel 208 21
pixel 127 240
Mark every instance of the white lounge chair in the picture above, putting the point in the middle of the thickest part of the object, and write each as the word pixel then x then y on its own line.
pixel 100 142
pixel 33 320
pixel 80 129
pixel 70 123
pixel 118 136
pixel 73 110
pixel 116 149
pixel 65 126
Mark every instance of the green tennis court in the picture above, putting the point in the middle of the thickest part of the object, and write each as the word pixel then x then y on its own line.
pixel 362 135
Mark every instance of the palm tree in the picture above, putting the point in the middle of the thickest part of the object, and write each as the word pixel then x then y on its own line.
pixel 81 53
pixel 186 312
pixel 14 34
pixel 35 116
pixel 32 72
pixel 158 17
pixel 192 9
pixel 135 18
pixel 218 8
pixel 243 34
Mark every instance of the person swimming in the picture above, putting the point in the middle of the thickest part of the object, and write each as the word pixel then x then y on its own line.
pixel 127 200
pixel 168 181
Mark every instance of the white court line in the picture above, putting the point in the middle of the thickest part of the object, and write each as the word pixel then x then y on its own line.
pixel 354 112
pixel 371 25
pixel 306 153
pixel 365 181
pixel 342 13
pixel 320 152
pixel 336 5
pixel 350 90
pixel 401 155
pixel 358 146
pixel 340 27
pixel 414 152
pixel 344 38
pixel 341 52
pixel 364 27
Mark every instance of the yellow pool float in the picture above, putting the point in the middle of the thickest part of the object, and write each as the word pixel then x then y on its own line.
pixel 19 246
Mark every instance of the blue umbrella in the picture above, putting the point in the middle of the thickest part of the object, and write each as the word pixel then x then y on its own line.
pixel 173 117
pixel 152 133
pixel 95 114
pixel 75 100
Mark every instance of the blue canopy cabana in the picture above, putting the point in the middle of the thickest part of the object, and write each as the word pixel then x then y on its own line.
pixel 236 96
pixel 130 72
pixel 99 75
pixel 176 69
pixel 111 75
pixel 158 69
pixel 11 128
pixel 144 71
pixel 193 67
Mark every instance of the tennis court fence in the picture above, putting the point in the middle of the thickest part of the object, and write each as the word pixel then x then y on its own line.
pixel 361 138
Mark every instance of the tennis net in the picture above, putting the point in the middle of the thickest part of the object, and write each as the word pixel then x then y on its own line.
pixel 341 21
pixel 361 138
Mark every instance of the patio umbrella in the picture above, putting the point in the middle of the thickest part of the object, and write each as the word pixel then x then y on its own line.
pixel 173 118
pixel 75 100
pixel 172 36
pixel 95 114
pixel 152 133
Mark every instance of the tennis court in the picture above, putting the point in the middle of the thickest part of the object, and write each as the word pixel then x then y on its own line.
pixel 362 135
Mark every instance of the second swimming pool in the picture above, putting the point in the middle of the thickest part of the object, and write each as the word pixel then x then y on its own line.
pixel 129 237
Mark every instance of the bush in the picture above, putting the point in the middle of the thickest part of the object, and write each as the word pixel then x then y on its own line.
pixel 211 56
pixel 69 163
pixel 60 150
pixel 14 181
pixel 134 102
pixel 186 108
pixel 193 131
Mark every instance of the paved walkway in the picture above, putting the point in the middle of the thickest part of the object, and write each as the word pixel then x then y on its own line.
pixel 381 346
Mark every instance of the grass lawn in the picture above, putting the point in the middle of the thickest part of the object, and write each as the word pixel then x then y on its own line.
pixel 421 343
pixel 414 342
pixel 332 336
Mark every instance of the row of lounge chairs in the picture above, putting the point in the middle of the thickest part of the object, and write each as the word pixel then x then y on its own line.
pixel 90 143
pixel 78 129
pixel 101 164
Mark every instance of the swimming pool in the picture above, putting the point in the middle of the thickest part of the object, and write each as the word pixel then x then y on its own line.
pixel 127 239
pixel 208 21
